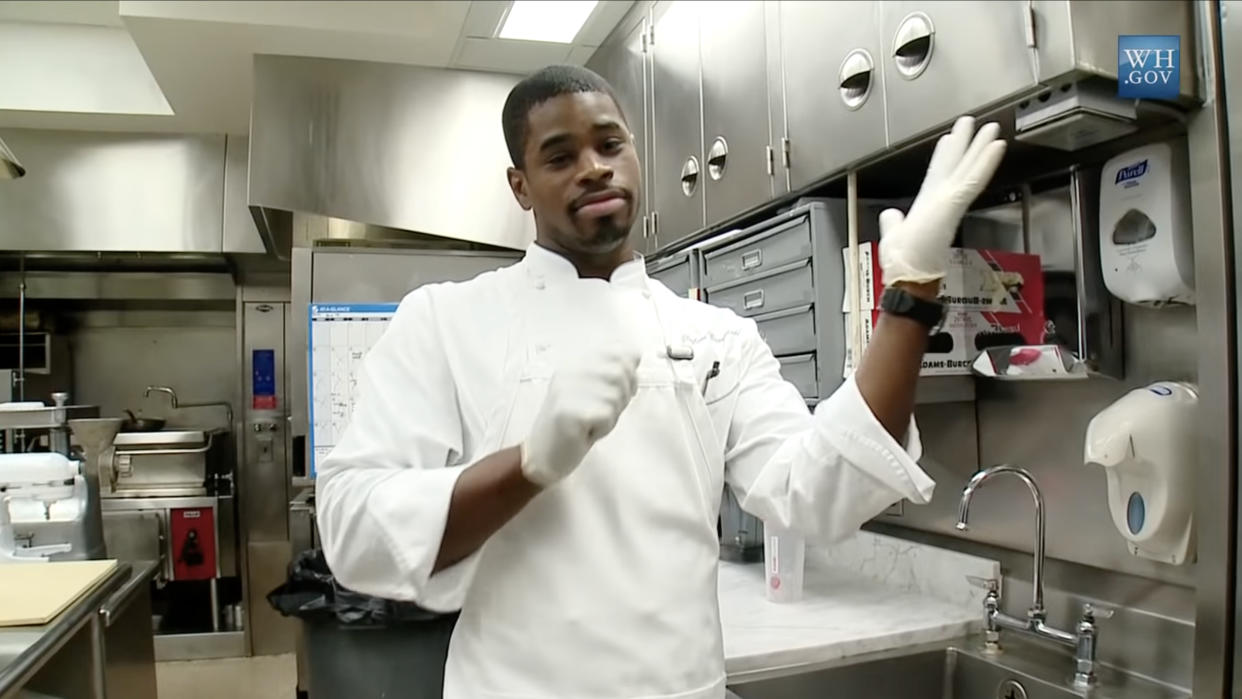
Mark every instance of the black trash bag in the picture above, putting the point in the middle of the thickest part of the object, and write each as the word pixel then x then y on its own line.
pixel 311 592
pixel 362 647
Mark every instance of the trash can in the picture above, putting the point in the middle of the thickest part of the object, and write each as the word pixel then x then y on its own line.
pixel 363 647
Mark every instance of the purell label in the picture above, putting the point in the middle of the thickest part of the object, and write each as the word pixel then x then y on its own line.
pixel 1131 172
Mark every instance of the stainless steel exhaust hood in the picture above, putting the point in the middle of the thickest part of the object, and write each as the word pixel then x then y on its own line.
pixel 395 146
pixel 10 168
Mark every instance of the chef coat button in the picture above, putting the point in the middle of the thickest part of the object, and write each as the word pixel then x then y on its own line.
pixel 539 284
pixel 646 294
pixel 541 347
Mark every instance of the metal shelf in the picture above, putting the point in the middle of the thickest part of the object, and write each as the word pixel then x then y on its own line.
pixel 45 418
pixel 945 389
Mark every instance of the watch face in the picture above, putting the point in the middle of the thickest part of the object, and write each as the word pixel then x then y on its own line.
pixel 902 303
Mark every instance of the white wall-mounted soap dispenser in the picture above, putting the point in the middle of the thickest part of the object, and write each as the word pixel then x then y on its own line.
pixel 1146 442
pixel 1146 248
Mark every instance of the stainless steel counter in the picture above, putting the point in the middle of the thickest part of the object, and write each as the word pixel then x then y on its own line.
pixel 140 573
pixel 68 656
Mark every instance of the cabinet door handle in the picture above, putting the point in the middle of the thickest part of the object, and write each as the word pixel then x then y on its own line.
pixel 913 44
pixel 752 299
pixel 752 259
pixel 689 176
pixel 717 156
pixel 854 78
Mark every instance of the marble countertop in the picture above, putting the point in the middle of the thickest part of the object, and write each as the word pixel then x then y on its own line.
pixel 870 594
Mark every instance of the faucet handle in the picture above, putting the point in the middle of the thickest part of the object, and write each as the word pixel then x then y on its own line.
pixel 1091 611
pixel 989 584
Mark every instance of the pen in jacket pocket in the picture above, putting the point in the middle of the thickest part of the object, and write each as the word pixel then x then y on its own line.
pixel 711 374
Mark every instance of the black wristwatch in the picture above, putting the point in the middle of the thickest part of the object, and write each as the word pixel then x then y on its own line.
pixel 900 302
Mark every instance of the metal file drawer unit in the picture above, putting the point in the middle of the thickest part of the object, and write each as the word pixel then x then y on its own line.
pixel 781 288
pixel 790 331
pixel 679 272
pixel 800 370
pixel 760 253
pixel 786 274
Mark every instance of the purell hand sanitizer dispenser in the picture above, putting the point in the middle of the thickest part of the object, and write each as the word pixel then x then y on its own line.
pixel 1146 249
pixel 1146 443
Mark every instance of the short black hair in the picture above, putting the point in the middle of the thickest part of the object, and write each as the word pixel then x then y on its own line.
pixel 539 87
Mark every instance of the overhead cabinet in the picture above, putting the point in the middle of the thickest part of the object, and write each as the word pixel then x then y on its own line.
pixel 627 69
pixel 737 140
pixel 677 167
pixel 710 145
pixel 1080 38
pixel 834 96
pixel 745 101
pixel 945 59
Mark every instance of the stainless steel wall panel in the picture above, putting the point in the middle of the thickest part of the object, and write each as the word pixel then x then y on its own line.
pixel 385 144
pixel 97 191
pixel 270 633
pixel 240 234
pixel 263 480
pixel 1216 274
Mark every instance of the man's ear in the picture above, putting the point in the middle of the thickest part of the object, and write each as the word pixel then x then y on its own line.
pixel 517 183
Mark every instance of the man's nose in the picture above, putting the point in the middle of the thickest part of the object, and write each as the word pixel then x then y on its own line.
pixel 595 167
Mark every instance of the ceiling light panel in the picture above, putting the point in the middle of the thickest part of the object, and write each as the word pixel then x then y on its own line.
pixel 559 22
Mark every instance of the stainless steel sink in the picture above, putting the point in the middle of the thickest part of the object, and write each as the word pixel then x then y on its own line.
pixel 957 670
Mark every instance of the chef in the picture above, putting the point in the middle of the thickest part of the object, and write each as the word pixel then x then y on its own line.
pixel 544 446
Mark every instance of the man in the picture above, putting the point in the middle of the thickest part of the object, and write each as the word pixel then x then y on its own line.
pixel 545 445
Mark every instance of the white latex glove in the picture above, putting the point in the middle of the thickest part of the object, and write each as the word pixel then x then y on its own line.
pixel 583 404
pixel 914 247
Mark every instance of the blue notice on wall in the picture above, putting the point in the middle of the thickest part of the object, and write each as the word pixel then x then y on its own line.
pixel 263 379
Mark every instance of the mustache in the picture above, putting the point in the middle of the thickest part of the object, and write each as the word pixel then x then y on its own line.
pixel 599 195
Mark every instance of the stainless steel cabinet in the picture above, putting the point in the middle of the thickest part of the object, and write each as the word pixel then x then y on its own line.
pixel 736 134
pixel 625 66
pixel 1080 38
pixel 834 85
pixel 944 59
pixel 676 168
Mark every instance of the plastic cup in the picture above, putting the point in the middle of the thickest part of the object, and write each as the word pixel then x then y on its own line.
pixel 784 558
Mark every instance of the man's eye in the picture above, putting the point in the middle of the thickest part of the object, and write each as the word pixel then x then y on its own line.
pixel 559 160
pixel 613 145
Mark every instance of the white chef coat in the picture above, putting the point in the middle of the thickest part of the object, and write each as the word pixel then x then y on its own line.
pixel 627 543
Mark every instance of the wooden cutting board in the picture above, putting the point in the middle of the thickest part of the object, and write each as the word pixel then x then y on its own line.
pixel 34 593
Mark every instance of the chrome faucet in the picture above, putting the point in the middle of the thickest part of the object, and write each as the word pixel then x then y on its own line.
pixel 172 395
pixel 1084 638
pixel 172 402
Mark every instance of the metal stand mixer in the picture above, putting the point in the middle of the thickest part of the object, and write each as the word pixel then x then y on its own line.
pixel 46 495
pixel 49 501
